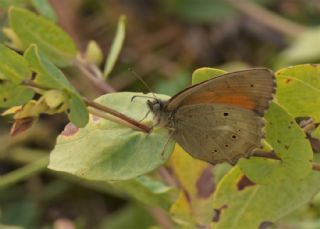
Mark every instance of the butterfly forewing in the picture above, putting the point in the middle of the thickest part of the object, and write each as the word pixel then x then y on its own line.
pixel 250 89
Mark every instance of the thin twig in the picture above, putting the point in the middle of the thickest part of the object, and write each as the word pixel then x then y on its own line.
pixel 94 75
pixel 161 217
pixel 267 18
pixel 126 119
pixel 167 177
pixel 135 123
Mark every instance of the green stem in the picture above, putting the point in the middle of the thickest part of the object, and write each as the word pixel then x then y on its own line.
pixel 23 173
pixel 267 18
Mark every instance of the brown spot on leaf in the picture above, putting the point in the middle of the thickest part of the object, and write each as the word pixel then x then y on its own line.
pixel 244 182
pixel 286 147
pixel 33 76
pixel 217 213
pixel 265 225
pixel 314 65
pixel 4 99
pixel 288 80
pixel 69 130
pixel 21 125
pixel 205 183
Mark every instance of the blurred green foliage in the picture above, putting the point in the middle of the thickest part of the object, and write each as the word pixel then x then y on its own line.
pixel 125 178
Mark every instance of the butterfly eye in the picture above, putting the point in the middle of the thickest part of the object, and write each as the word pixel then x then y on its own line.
pixel 157 106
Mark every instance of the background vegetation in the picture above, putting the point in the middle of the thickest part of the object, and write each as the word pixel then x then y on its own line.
pixel 165 41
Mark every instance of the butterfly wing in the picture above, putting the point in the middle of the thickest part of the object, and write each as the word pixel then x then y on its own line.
pixel 217 133
pixel 250 89
pixel 221 119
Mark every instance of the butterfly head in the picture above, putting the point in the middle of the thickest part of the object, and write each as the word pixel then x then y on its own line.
pixel 156 106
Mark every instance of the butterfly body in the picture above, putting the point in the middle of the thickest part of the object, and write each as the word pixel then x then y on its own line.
pixel 220 119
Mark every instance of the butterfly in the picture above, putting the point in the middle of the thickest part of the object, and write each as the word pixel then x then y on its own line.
pixel 220 119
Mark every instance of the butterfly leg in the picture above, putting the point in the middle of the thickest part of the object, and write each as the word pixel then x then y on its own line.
pixel 168 140
pixel 145 116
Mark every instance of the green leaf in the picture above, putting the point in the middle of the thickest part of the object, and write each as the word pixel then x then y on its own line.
pixel 203 74
pixel 52 40
pixel 116 46
pixel 48 75
pixel 148 191
pixel 78 114
pixel 45 9
pixel 299 90
pixel 289 143
pixel 13 67
pixel 107 150
pixel 13 95
pixel 239 203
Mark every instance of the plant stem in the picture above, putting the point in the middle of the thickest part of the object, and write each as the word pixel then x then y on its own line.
pixel 133 123
pixel 95 76
pixel 267 18
pixel 24 172
pixel 102 114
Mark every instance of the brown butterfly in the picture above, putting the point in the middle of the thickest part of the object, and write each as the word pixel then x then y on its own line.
pixel 220 119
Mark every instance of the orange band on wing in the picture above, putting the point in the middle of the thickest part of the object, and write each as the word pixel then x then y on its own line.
pixel 243 101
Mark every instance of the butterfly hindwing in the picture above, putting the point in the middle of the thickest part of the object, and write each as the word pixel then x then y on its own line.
pixel 217 133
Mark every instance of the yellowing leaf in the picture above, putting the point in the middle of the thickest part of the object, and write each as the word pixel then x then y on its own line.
pixel 94 53
pixel 14 39
pixel 202 74
pixel 196 180
pixel 54 98
pixel 240 203
pixel 116 46
pixel 299 90
pixel 289 143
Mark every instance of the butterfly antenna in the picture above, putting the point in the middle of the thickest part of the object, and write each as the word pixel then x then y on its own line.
pixel 144 82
